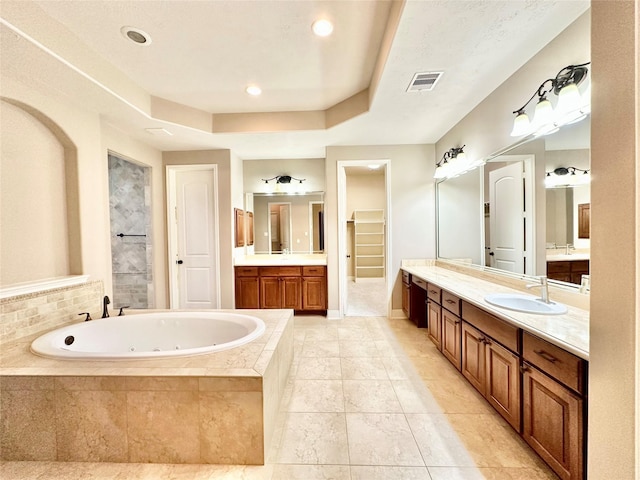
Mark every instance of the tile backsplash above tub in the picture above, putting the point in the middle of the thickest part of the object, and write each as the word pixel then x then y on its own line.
pixel 24 315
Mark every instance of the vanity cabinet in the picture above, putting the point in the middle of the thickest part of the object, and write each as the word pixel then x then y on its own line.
pixel 490 360
pixel 451 329
pixel 570 271
pixel 247 287
pixel 539 388
pixel 314 288
pixel 406 293
pixel 434 309
pixel 301 288
pixel 280 287
pixel 554 391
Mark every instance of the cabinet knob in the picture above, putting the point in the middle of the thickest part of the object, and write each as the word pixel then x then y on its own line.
pixel 524 369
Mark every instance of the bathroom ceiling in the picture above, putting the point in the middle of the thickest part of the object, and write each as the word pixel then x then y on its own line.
pixel 345 89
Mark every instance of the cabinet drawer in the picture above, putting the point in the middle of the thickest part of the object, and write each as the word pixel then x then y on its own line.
pixel 318 271
pixel 554 361
pixel 500 331
pixel 419 282
pixel 246 271
pixel 451 302
pixel 280 271
pixel 433 292
pixel 406 278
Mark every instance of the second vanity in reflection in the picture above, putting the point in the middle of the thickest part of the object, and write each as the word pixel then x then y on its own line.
pixel 296 281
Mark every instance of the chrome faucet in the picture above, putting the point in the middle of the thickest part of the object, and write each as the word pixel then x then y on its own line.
pixel 105 310
pixel 569 247
pixel 544 293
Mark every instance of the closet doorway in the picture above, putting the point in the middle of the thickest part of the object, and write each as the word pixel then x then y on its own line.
pixel 364 242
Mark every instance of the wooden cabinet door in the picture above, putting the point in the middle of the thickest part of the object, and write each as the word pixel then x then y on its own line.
pixel 291 293
pixel 314 293
pixel 451 334
pixel 502 382
pixel 553 423
pixel 434 323
pixel 473 356
pixel 406 300
pixel 247 292
pixel 270 292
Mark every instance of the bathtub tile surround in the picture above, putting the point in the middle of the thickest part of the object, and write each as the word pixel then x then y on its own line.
pixel 216 408
pixel 24 315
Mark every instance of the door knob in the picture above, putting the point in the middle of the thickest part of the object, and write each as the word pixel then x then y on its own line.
pixel 179 262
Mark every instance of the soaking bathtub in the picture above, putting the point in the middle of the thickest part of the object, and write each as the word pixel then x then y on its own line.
pixel 215 407
pixel 150 335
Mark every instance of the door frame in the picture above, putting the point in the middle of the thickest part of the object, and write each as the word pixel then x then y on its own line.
pixel 172 230
pixel 342 229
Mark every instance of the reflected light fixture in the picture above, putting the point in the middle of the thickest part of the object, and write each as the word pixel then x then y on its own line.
pixel 453 163
pixel 567 177
pixel 570 107
pixel 283 179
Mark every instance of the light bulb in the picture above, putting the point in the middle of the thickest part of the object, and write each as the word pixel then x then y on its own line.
pixel 569 99
pixel 543 114
pixel 521 125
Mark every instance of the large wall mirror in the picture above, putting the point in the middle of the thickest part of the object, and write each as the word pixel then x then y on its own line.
pixel 288 223
pixel 526 211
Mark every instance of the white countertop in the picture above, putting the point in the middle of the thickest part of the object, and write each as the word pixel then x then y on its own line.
pixel 282 259
pixel 569 331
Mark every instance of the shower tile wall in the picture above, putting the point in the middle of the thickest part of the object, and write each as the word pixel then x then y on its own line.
pixel 130 209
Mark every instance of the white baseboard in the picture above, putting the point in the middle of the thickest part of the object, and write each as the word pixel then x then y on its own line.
pixel 333 315
pixel 397 313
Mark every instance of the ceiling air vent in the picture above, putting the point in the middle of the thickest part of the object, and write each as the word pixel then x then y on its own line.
pixel 423 82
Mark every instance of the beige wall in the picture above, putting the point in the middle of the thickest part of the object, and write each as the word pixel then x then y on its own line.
pixel 365 192
pixel 615 214
pixel 412 215
pixel 90 219
pixel 310 169
pixel 34 188
pixel 226 198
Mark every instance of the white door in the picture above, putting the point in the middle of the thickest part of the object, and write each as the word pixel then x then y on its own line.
pixel 506 218
pixel 195 253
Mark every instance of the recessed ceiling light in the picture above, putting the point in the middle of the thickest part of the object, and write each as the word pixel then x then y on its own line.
pixel 374 166
pixel 136 35
pixel 254 90
pixel 322 28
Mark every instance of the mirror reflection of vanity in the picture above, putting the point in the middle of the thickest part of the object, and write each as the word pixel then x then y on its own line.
pixel 480 213
pixel 288 223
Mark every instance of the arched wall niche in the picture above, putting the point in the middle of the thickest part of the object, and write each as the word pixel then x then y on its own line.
pixel 39 198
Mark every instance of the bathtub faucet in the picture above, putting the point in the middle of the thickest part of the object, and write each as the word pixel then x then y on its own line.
pixel 105 310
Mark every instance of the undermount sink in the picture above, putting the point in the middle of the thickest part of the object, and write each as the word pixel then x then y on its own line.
pixel 525 303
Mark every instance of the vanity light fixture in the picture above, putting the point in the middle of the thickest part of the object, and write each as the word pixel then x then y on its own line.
pixel 570 107
pixel 283 179
pixel 567 177
pixel 453 163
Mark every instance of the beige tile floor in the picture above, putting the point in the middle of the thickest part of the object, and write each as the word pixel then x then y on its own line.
pixel 367 399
